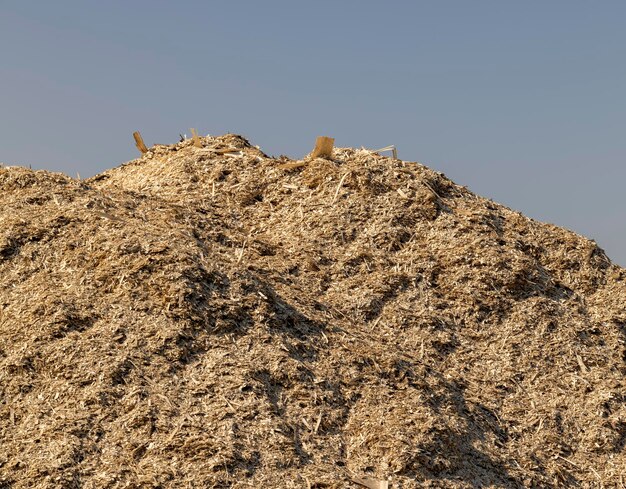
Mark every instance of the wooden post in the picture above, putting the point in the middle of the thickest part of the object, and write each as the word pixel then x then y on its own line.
pixel 323 147
pixel 139 142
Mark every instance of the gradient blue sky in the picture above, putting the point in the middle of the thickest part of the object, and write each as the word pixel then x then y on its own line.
pixel 523 102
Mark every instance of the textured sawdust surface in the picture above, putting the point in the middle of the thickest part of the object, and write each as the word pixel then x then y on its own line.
pixel 202 317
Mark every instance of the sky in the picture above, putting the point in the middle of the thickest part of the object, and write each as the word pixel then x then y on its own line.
pixel 522 102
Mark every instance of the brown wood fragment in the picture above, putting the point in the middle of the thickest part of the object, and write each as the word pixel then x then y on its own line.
pixel 196 140
pixel 581 364
pixel 139 142
pixel 371 483
pixel 223 151
pixel 323 147
pixel 289 166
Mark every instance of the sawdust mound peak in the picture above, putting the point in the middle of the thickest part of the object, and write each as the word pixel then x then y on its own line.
pixel 214 317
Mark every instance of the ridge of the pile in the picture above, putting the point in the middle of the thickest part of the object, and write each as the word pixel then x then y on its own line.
pixel 211 316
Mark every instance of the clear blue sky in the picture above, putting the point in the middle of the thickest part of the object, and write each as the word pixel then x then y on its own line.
pixel 523 102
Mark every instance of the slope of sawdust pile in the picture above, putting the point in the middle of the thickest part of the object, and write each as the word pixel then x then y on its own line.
pixel 201 317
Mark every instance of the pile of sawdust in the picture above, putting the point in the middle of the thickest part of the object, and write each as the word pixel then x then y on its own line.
pixel 201 317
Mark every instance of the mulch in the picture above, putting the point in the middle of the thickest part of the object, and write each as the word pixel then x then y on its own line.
pixel 211 316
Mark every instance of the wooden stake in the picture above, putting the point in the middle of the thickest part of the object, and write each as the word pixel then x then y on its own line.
pixel 139 142
pixel 323 147
pixel 196 139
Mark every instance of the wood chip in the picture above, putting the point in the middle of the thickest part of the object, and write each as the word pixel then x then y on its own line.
pixel 371 483
pixel 323 147
pixel 289 166
pixel 196 140
pixel 139 142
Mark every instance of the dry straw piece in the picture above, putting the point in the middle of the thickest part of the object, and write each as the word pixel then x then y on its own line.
pixel 203 318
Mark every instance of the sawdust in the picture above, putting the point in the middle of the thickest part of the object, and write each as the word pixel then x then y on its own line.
pixel 200 317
